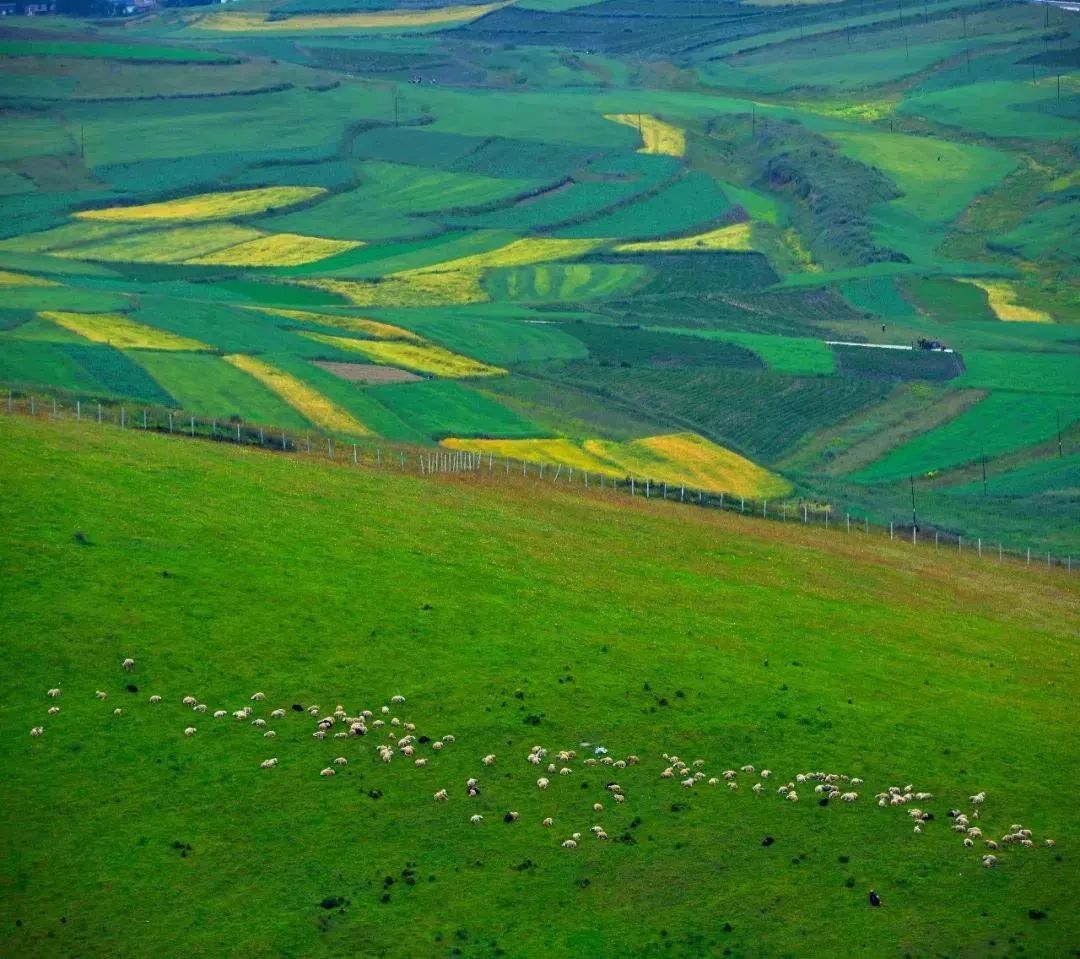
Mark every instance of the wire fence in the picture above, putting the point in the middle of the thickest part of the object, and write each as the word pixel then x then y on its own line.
pixel 439 461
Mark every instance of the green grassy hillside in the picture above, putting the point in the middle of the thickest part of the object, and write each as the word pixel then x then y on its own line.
pixel 509 615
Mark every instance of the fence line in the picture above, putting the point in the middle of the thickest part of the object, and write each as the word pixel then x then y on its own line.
pixel 441 461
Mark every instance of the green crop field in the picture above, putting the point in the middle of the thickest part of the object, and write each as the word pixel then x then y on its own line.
pixel 727 640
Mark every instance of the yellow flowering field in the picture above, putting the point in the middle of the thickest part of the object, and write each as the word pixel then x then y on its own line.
pixel 22 279
pixel 117 330
pixel 301 397
pixel 1002 297
pixel 418 357
pixel 408 289
pixel 735 237
pixel 208 206
pixel 277 249
pixel 656 135
pixel 376 19
pixel 677 458
pixel 353 324
pixel 521 252
pixel 162 246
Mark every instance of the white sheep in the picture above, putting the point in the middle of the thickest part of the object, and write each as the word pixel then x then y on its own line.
pixel 757 789
pixel 543 782
pixel 278 714
pixel 855 781
pixel 100 695
pixel 154 700
pixel 397 699
pixel 189 701
pixel 1049 843
pixel 548 822
pixel 53 710
pixel 748 769
pixel 688 783
pixel 619 797
pixel 199 708
pixel 258 697
pixel 118 711
pixel 441 796
pixel 437 745
pixel 449 738
pixel 313 710
pixel 319 734
pixel 341 761
pixel 328 771
pixel 849 797
pixel 190 731
pixel 734 787
pixel 37 731
pixel 513 816
pixel 269 734
pixel 476 818
pixel 714 781
pixel 990 844
pixel 729 773
pixel 968 842
pixel 792 796
pixel 258 723
pixel 268 764
pixel 978 797
pixel 53 693
pixel 569 844
pixel 489 759
pixel 989 862
pixel 385 710
pixel 598 807
pixel 918 829
pixel 128 664
pixel 220 714
pixel 420 763
pixel 975 832
pixel 766 773
pixel 565 771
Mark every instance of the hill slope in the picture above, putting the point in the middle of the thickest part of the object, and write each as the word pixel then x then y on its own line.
pixel 506 617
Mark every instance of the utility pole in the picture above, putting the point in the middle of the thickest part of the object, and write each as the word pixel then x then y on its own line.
pixel 914 520
pixel 984 469
pixel 753 117
pixel 1060 451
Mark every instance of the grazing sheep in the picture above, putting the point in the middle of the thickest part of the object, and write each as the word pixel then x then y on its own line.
pixel 441 796
pixel 757 789
pixel 220 714
pixel 421 762
pixel 512 816
pixel 632 760
pixel 100 695
pixel 278 714
pixel 714 781
pixel 917 830
pixel 792 796
pixel 855 781
pixel 269 734
pixel 989 862
pixel 313 710
pixel 783 790
pixel 268 764
pixel 548 822
pixel 975 832
pixel 37 731
pixel 729 774
pixel 1027 843
pixel 319 734
pixel 565 771
pixel 489 759
pixel 437 745
pixel 688 783
pixel 476 818
pixel 597 807
pixel 668 773
pixel 849 797
pixel 533 758
pixel 990 844
pixel 53 693
pixel 154 700
pixel 199 708
pixel 968 842
pixel 748 769
pixel 118 711
pixel 189 701
pixel 619 797
pixel 341 761
pixel 734 787
pixel 766 773
pixel 328 771
pixel 1049 843
pixel 128 664
pixel 53 710
pixel 569 844
pixel 978 797
pixel 258 697
pixel 190 731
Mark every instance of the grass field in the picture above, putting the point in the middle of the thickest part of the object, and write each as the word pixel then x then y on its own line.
pixel 117 330
pixel 208 206
pixel 652 630
pixel 418 357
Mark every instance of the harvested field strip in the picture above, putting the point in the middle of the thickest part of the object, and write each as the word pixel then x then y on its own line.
pixel 353 324
pixel 117 330
pixel 735 237
pixel 677 458
pixel 22 279
pixel 208 206
pixel 278 249
pixel 1002 297
pixel 419 357
pixel 518 253
pixel 799 356
pixel 366 372
pixel 409 289
pixel 375 20
pixel 162 246
pixel 657 136
pixel 301 397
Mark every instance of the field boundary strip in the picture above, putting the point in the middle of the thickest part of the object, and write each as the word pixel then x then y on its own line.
pixel 448 463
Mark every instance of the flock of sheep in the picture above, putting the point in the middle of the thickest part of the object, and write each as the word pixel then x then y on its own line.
pixel 398 740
